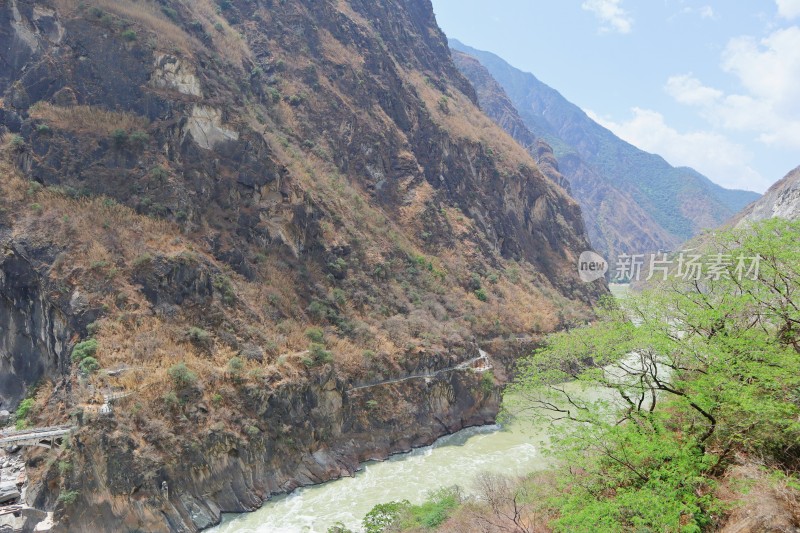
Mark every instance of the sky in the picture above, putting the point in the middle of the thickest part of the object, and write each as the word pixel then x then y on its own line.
pixel 711 84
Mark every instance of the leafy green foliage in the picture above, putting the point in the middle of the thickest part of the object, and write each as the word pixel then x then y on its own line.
pixel 487 382
pixel 68 497
pixel 199 336
pixel 181 376
pixel 235 368
pixel 435 510
pixel 684 376
pixel 315 335
pixel 24 409
pixel 402 515
pixel 82 350
pixel 128 35
pixel 89 365
pixel 317 355
pixel 384 515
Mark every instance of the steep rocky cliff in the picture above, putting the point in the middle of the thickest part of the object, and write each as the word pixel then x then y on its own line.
pixel 233 229
pixel 781 200
pixel 633 201
pixel 495 103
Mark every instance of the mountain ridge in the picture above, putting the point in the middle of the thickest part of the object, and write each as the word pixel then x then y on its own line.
pixel 668 204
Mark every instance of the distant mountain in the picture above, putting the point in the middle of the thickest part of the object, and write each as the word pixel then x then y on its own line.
pixel 633 201
pixel 781 200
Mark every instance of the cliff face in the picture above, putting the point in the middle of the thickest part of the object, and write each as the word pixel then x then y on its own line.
pixel 781 200
pixel 634 202
pixel 496 104
pixel 248 209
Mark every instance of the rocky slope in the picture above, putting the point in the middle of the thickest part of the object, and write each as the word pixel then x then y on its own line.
pixel 495 103
pixel 633 201
pixel 227 215
pixel 781 200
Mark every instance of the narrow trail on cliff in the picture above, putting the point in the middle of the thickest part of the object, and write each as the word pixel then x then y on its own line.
pixel 476 364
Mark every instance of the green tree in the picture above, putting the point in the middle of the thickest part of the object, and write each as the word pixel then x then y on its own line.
pixel 650 402
pixel 384 515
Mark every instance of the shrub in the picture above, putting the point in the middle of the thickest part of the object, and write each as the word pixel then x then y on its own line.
pixel 128 35
pixel 436 508
pixel 315 335
pixel 82 350
pixel 89 365
pixel 199 336
pixel 252 431
pixel 119 137
pixel 24 408
pixel 384 515
pixel 235 367
pixel 487 382
pixel 170 400
pixel 141 260
pixel 372 404
pixel 274 95
pixel 481 295
pixel 169 12
pixel 318 355
pixel 64 467
pixel 17 141
pixel 159 173
pixel 139 138
pixel 217 399
pixel 68 497
pixel 224 286
pixel 43 129
pixel 181 376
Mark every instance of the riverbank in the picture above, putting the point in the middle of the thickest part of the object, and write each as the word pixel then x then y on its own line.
pixel 452 460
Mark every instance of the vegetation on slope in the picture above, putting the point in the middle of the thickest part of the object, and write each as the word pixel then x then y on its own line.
pixel 660 404
pixel 226 202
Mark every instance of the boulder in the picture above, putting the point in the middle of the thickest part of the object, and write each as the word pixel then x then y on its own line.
pixel 9 491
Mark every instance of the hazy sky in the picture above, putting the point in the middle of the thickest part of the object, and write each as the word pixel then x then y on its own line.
pixel 710 84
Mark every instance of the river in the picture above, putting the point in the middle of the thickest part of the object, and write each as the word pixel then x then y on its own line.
pixel 452 460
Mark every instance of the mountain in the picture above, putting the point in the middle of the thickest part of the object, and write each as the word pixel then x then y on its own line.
pixel 781 200
pixel 633 201
pixel 496 104
pixel 237 235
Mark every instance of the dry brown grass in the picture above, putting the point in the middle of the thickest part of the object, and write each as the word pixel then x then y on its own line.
pixel 144 12
pixel 228 42
pixel 465 121
pixel 338 53
pixel 89 120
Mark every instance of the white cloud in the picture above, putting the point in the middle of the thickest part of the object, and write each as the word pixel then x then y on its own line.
pixel 769 69
pixel 769 72
pixel 706 12
pixel 789 8
pixel 611 15
pixel 712 154
pixel 689 90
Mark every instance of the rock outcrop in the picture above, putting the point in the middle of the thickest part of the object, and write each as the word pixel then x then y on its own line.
pixel 782 200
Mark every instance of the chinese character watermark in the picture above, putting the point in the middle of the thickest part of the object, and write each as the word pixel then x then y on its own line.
pixel 686 265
